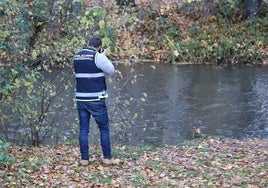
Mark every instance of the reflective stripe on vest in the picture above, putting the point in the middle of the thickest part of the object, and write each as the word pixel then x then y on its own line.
pixel 89 75
pixel 90 95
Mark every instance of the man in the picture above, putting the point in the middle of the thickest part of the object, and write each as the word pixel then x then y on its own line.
pixel 90 66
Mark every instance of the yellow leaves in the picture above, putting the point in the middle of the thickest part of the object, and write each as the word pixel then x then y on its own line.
pixel 145 95
pixel 176 53
pixel 106 42
pixel 153 67
pixel 85 22
pixel 9 98
pixel 30 13
pixel 213 18
pixel 52 93
pixel 228 167
pixel 143 99
pixel 101 169
pixel 187 39
pixel 29 90
pixel 211 185
pixel 33 159
pixel 87 13
pixel 135 115
pixel 101 23
pixel 39 23
pixel 17 82
pixel 76 40
pixel 27 83
pixel 34 54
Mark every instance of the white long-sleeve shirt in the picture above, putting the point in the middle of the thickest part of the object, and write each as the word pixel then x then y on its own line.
pixel 103 63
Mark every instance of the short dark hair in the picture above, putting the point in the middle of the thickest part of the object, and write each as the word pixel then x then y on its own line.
pixel 95 42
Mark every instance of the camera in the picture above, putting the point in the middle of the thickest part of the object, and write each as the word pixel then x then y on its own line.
pixel 101 50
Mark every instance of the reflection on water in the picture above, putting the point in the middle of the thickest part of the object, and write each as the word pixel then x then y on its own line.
pixel 231 102
pixel 222 101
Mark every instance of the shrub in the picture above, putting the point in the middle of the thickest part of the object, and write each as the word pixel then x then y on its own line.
pixel 219 39
pixel 5 159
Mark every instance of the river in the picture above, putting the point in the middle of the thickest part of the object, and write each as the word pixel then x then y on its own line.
pixel 161 104
pixel 221 101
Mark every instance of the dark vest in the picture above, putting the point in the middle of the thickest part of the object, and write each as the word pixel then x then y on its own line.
pixel 90 80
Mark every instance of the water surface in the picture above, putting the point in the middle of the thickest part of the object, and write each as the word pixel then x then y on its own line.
pixel 222 101
pixel 165 102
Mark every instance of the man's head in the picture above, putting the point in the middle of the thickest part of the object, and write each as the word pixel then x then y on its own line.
pixel 95 42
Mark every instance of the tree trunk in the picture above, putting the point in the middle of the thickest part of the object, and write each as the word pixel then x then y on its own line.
pixel 252 9
pixel 125 2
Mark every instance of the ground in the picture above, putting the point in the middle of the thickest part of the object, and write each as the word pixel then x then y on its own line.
pixel 204 162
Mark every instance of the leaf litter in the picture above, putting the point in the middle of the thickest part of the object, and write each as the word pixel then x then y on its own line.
pixel 203 162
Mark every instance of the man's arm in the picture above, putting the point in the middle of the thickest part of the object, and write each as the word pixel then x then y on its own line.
pixel 104 63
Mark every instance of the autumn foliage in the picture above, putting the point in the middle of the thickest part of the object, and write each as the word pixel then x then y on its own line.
pixel 193 31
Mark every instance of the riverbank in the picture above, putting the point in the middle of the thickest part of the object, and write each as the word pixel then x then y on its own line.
pixel 182 33
pixel 205 162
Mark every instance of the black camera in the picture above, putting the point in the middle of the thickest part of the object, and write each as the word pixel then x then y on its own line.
pixel 101 50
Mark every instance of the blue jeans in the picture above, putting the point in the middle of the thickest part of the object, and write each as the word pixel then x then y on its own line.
pixel 99 111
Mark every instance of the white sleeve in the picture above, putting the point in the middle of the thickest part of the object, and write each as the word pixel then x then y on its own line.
pixel 103 63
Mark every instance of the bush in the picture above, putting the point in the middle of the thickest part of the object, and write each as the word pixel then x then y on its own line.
pixel 220 39
pixel 5 159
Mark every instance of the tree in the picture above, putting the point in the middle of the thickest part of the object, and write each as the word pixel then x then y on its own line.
pixel 37 36
pixel 252 8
